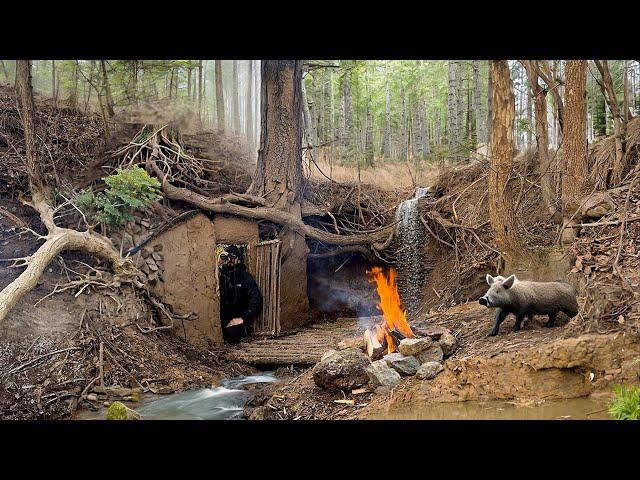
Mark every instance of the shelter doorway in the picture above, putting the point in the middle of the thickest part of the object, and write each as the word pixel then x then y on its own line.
pixel 267 275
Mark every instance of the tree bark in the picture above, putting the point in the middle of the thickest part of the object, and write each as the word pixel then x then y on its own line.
pixel 278 176
pixel 575 145
pixel 219 98
pixel 501 205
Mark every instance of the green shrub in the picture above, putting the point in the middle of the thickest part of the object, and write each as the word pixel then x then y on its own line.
pixel 129 189
pixel 626 403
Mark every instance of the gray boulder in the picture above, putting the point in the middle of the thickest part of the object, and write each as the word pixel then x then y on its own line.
pixel 429 370
pixel 342 370
pixel 381 375
pixel 403 364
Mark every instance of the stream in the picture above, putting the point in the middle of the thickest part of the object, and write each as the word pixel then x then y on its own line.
pixel 225 402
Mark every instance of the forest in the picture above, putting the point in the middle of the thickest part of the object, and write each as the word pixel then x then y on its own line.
pixel 388 213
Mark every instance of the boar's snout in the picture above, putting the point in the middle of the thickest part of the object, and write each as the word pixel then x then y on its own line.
pixel 484 301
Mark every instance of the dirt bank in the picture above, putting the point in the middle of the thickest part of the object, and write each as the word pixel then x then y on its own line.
pixel 534 364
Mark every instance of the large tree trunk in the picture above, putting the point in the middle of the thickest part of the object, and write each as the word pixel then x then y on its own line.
pixel 575 145
pixel 219 98
pixel 545 170
pixel 501 204
pixel 279 177
pixel 57 238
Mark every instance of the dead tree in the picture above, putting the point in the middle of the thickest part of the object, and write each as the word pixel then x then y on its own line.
pixel 57 239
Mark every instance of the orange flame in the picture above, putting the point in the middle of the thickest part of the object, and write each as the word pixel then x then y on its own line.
pixel 394 316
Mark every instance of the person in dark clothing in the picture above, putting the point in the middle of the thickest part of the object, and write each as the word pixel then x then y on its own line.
pixel 240 298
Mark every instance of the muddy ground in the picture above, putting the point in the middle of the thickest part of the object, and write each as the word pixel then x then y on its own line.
pixel 532 365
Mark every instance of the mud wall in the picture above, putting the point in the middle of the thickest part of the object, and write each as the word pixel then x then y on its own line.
pixel 188 282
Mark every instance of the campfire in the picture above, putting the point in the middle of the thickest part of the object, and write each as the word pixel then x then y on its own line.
pixel 395 327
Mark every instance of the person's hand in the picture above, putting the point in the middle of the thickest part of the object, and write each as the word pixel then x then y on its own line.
pixel 235 321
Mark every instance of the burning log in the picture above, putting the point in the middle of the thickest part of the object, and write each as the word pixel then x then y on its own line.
pixel 374 348
pixel 397 336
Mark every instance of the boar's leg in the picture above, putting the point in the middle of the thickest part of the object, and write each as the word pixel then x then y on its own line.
pixel 519 317
pixel 552 319
pixel 500 316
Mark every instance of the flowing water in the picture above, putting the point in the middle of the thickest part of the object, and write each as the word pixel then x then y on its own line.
pixel 568 409
pixel 225 402
pixel 411 238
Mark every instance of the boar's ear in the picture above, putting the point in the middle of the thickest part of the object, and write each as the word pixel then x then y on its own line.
pixel 490 279
pixel 508 283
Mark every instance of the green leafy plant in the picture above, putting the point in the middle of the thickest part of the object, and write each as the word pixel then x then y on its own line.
pixel 626 403
pixel 129 189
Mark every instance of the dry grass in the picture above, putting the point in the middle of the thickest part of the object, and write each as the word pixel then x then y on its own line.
pixel 387 176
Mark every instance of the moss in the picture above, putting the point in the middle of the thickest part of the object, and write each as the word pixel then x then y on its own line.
pixel 119 411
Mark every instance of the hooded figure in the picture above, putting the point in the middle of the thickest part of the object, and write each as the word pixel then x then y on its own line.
pixel 240 298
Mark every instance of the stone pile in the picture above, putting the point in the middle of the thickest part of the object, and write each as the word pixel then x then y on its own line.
pixel 349 366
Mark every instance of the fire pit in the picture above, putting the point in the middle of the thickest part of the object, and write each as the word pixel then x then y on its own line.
pixel 385 337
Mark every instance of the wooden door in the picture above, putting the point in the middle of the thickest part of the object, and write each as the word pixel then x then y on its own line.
pixel 268 280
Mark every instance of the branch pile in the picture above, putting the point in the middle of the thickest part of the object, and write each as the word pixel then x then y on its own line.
pixel 70 141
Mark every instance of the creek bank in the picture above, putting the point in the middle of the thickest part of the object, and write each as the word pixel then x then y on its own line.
pixel 534 364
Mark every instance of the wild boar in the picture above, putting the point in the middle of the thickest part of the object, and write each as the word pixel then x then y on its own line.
pixel 525 299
